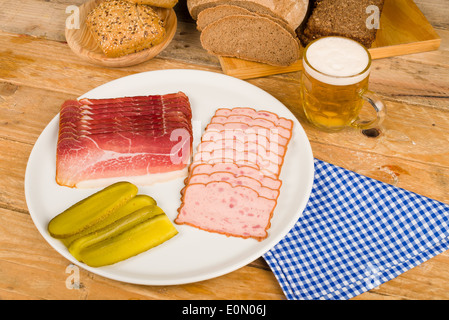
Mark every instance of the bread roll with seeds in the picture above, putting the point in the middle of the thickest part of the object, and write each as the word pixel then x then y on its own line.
pixel 121 27
pixel 157 3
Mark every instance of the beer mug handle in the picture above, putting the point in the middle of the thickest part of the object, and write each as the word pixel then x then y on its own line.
pixel 378 106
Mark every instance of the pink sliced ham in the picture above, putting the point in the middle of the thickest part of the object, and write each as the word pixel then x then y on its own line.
pixel 286 123
pixel 250 131
pixel 233 182
pixel 265 123
pixel 271 163
pixel 237 171
pixel 263 148
pixel 222 208
pixel 107 145
pixel 236 181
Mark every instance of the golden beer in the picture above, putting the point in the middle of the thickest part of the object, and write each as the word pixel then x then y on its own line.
pixel 334 84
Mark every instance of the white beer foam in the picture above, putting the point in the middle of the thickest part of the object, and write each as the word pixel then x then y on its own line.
pixel 337 61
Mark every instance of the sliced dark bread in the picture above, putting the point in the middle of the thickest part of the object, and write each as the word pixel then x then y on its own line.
pixel 346 18
pixel 212 14
pixel 290 11
pixel 251 38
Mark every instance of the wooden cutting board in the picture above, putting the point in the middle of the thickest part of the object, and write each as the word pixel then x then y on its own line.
pixel 403 30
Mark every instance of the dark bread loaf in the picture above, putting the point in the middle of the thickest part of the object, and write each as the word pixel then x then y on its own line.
pixel 291 11
pixel 253 38
pixel 346 18
pixel 212 14
pixel 209 15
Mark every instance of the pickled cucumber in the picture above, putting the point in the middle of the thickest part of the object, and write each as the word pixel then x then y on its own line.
pixel 91 210
pixel 142 237
pixel 114 229
pixel 137 202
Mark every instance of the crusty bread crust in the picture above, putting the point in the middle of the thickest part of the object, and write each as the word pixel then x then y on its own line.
pixel 157 3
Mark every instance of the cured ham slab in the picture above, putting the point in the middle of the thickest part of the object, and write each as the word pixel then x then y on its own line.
pixel 142 139
pixel 233 182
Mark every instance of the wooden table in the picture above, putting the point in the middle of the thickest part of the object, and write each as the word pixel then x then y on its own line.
pixel 38 71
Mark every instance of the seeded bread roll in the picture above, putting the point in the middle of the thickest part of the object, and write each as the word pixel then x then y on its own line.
pixel 346 18
pixel 251 38
pixel 291 11
pixel 157 3
pixel 121 27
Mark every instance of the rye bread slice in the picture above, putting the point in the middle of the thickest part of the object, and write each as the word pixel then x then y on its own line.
pixel 346 18
pixel 291 11
pixel 251 38
pixel 209 15
pixel 212 14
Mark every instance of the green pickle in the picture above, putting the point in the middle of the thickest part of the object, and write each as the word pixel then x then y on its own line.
pixel 112 225
pixel 91 210
pixel 115 228
pixel 137 239
pixel 137 202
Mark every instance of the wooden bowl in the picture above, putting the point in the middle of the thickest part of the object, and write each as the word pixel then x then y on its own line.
pixel 84 45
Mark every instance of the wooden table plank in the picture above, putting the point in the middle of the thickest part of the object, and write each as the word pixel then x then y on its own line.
pixel 436 11
pixel 425 143
pixel 47 20
pixel 30 268
pixel 394 171
pixel 38 73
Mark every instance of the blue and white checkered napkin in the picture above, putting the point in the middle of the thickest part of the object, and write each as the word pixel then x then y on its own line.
pixel 355 234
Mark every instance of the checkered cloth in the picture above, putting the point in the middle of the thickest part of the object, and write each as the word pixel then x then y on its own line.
pixel 355 234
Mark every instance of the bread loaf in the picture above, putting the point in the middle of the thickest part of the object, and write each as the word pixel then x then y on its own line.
pixel 121 27
pixel 157 3
pixel 252 38
pixel 212 14
pixel 346 18
pixel 291 11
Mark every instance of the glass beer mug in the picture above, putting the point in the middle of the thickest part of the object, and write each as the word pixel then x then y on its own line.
pixel 334 85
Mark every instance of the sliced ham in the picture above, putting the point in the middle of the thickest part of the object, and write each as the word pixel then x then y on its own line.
pixel 165 97
pixel 286 123
pixel 239 139
pixel 247 120
pixel 264 149
pixel 234 211
pixel 250 131
pixel 236 181
pixel 272 164
pixel 236 170
pixel 93 152
pixel 233 182
pixel 92 129
pixel 131 108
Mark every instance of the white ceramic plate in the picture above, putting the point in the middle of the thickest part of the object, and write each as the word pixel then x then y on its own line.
pixel 192 255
